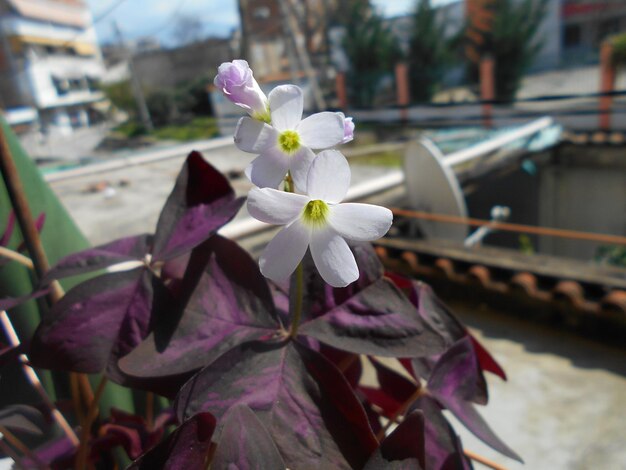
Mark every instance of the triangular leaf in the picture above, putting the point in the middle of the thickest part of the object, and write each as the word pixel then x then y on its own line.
pixel 245 444
pixel 404 448
pixel 442 445
pixel 305 403
pixel 377 320
pixel 95 323
pixel 457 374
pixel 132 248
pixel 186 448
pixel 467 414
pixel 201 202
pixel 231 304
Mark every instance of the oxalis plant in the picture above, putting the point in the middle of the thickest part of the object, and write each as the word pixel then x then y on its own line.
pixel 261 374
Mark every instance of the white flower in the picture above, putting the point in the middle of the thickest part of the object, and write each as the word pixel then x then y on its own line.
pixel 317 220
pixel 236 81
pixel 286 144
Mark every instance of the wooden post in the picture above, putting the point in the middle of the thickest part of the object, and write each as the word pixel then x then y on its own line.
pixel 340 89
pixel 403 93
pixel 487 87
pixel 607 84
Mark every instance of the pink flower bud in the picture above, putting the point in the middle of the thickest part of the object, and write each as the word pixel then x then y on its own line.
pixel 237 82
pixel 348 130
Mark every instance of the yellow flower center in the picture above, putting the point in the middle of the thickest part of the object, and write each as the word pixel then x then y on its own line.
pixel 315 213
pixel 289 142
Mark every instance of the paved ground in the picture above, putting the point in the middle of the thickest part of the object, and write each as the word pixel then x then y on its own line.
pixel 137 193
pixel 563 407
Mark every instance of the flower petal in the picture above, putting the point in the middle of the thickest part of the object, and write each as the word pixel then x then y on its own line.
pixel 286 104
pixel 299 165
pixel 275 207
pixel 329 177
pixel 254 136
pixel 268 170
pixel 321 130
pixel 285 251
pixel 360 222
pixel 333 258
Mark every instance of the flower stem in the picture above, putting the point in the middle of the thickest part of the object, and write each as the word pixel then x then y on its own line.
pixel 33 378
pixel 15 256
pixel 19 445
pixel 298 301
pixel 92 413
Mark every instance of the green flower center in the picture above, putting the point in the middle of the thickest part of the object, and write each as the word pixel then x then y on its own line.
pixel 289 142
pixel 315 213
pixel 264 117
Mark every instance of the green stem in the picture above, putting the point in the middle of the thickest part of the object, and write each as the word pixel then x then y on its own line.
pixel 92 413
pixel 298 301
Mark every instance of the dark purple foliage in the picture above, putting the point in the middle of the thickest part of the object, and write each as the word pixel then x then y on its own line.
pixel 245 444
pixel 231 304
pixel 104 318
pixel 186 448
pixel 404 448
pixel 304 402
pixel 187 313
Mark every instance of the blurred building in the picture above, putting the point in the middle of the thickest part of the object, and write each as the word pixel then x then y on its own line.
pixel 570 34
pixel 50 61
pixel 272 28
pixel 586 23
pixel 168 68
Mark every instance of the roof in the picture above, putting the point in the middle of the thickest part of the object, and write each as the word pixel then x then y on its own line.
pixel 67 12
pixel 550 283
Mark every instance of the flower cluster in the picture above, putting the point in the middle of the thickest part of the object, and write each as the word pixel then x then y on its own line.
pixel 310 208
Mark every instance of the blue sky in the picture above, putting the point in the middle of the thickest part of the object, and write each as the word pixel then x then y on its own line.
pixel 157 17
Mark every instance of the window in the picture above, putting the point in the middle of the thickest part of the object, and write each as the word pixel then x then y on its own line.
pixel 571 35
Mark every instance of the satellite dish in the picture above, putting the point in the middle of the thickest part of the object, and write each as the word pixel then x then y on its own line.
pixel 433 187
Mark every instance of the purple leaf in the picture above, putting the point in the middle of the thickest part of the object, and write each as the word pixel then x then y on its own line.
pixel 58 454
pixel 457 374
pixel 125 249
pixel 11 302
pixel 231 304
pixel 442 445
pixel 388 405
pixel 96 322
pixel 245 444
pixel 486 360
pixel 320 297
pixel 201 202
pixel 22 418
pixel 305 403
pixel 349 364
pixel 404 448
pixel 377 320
pixel 113 435
pixel 186 448
pixel 394 392
pixel 471 419
pixel 392 383
pixel 434 311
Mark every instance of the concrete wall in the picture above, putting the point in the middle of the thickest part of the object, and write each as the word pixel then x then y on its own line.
pixel 585 189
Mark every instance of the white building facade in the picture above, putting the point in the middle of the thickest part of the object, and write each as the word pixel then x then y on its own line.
pixel 50 60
